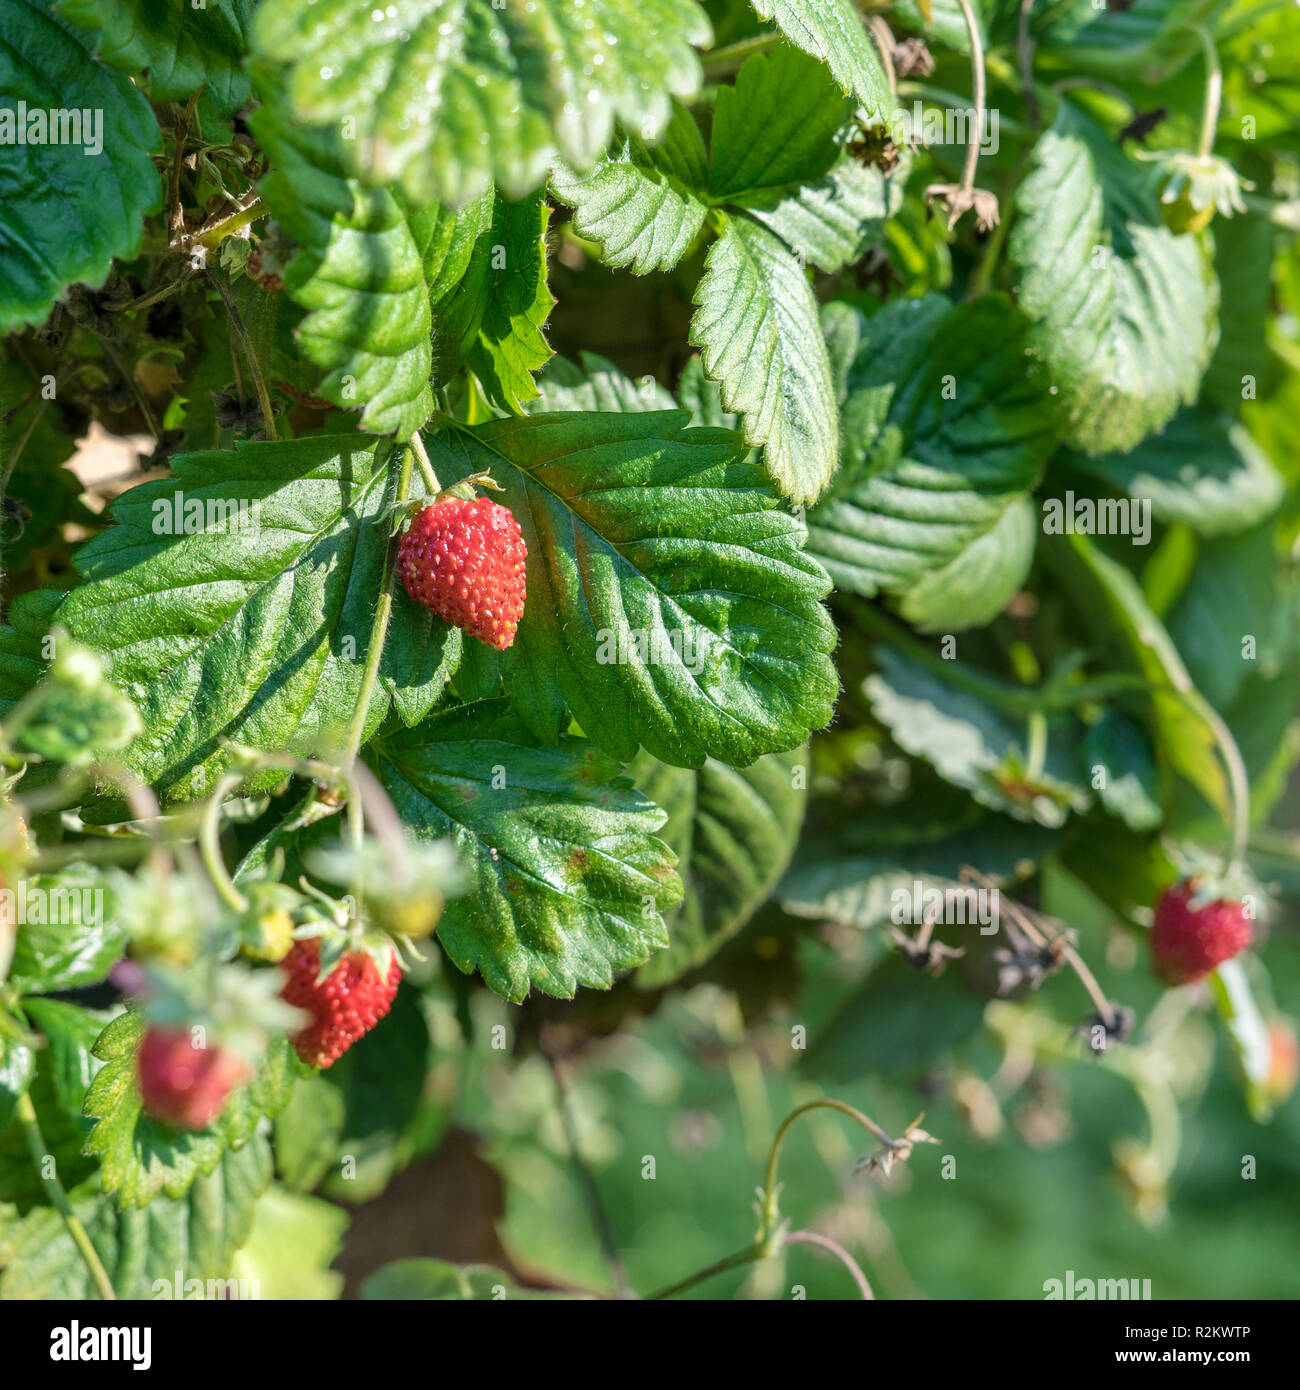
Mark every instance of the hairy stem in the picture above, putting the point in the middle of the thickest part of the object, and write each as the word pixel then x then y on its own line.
pixel 378 630
pixel 26 1113
pixel 210 844
pixel 1213 90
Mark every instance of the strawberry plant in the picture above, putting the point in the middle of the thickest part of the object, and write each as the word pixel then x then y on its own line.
pixel 755 534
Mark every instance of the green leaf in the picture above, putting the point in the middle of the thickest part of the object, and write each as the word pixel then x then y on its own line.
pixel 898 1023
pixel 568 882
pixel 834 221
pixel 669 603
pixel 77 726
pixel 381 1082
pixel 943 430
pixel 425 1280
pixel 17 1067
pixel 974 744
pixel 142 1158
pixel 308 1132
pixel 70 1034
pixel 594 383
pixel 757 330
pixel 184 46
pixel 1204 470
pixel 642 206
pixel 733 831
pixel 1229 622
pixel 1118 747
pixel 67 212
pixel 448 96
pixel 255 630
pixel 77 946
pixel 852 878
pixel 142 1251
pixel 1124 310
pixel 359 274
pixel 509 347
pixel 978 582
pixel 22 662
pixel 289 1251
pixel 831 30
pixel 775 130
pixel 1242 246
pixel 1112 601
pixel 940 19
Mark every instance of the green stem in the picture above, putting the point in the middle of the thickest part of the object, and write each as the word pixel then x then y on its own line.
pixel 1036 746
pixel 768 1211
pixel 26 1113
pixel 378 630
pixel 432 486
pixel 978 82
pixel 741 1257
pixel 210 844
pixel 731 55
pixel 1238 780
pixel 1213 90
pixel 841 1254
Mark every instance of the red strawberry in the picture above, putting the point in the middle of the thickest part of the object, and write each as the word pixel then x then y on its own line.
pixel 1189 938
pixel 185 1085
pixel 344 1006
pixel 465 560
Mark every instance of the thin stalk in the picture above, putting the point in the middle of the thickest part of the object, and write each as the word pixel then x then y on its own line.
pixel 980 96
pixel 840 1253
pixel 26 1113
pixel 378 630
pixel 741 1257
pixel 254 367
pixel 768 1210
pixel 210 844
pixel 430 478
pixel 1238 780
pixel 1213 90
pixel 722 60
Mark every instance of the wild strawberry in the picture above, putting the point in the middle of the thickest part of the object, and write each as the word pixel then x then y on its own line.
pixel 344 1006
pixel 465 561
pixel 1194 933
pixel 1283 1062
pixel 184 1085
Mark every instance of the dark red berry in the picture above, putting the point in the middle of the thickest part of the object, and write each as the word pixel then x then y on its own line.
pixel 465 561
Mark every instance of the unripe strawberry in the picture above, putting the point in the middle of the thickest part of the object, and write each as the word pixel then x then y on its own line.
pixel 1191 937
pixel 465 561
pixel 344 1006
pixel 184 1085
